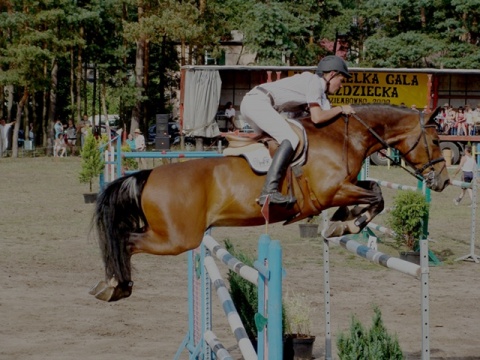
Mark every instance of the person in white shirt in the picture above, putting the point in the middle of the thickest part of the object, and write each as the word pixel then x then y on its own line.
pixel 261 107
pixel 468 166
pixel 140 146
pixel 230 115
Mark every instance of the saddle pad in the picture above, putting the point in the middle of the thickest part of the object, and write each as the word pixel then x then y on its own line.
pixel 256 154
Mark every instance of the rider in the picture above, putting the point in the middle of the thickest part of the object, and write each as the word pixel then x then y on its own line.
pixel 261 106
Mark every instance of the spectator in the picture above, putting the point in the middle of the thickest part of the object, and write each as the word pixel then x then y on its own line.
pixel 58 127
pixel 441 118
pixel 60 147
pixel 131 142
pixel 461 122
pixel 4 136
pixel 31 133
pixel 80 125
pixel 450 119
pixel 230 115
pixel 71 133
pixel 140 147
pixel 469 120
pixel 84 130
pixel 468 166
pixel 476 117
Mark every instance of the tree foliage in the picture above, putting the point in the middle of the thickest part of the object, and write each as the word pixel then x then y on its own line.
pixel 136 46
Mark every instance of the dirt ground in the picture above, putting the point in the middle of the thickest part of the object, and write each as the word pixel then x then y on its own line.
pixel 49 263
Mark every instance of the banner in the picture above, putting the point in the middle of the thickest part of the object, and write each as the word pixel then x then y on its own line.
pixel 393 88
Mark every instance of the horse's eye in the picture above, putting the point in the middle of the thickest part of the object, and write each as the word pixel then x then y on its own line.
pixel 436 142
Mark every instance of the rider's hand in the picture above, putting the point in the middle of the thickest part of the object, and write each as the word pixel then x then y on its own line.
pixel 347 109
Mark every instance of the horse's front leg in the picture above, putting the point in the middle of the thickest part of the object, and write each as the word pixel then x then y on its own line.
pixel 368 200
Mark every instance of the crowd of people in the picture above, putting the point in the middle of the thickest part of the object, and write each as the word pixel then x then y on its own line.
pixel 68 137
pixel 460 121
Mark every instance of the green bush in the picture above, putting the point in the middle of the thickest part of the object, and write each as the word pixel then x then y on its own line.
pixel 410 208
pixel 244 294
pixel 92 162
pixel 364 344
pixel 128 163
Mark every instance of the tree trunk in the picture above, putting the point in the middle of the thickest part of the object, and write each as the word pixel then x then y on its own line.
pixel 137 109
pixel 47 139
pixel 10 89
pixel 2 100
pixel 72 79
pixel 78 114
pixel 139 66
pixel 18 118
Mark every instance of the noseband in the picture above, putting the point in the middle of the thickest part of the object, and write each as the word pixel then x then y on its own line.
pixel 418 171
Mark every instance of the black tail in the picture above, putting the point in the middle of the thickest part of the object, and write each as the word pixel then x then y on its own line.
pixel 118 213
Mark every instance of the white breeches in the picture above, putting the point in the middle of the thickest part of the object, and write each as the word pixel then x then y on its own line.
pixel 258 111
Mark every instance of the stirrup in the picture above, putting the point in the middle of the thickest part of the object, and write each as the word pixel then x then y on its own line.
pixel 276 198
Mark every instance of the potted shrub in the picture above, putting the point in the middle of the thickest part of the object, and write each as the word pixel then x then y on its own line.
pixel 410 211
pixel 297 327
pixel 92 164
pixel 373 343
pixel 309 229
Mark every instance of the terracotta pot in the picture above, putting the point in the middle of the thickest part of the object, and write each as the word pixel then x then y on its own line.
pixel 298 348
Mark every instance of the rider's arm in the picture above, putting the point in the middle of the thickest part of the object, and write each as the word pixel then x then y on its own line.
pixel 319 116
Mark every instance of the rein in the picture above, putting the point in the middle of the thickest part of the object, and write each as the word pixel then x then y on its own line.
pixel 418 172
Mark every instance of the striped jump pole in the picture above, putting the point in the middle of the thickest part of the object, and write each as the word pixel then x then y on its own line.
pixel 267 276
pixel 418 271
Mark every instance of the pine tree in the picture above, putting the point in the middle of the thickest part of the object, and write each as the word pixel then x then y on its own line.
pixel 92 162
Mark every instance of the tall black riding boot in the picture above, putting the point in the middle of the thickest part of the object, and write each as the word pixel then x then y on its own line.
pixel 281 160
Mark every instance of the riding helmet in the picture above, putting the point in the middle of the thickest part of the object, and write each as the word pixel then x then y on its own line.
pixel 333 63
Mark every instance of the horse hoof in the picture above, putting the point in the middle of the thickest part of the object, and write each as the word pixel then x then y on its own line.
pixel 334 230
pixel 105 294
pixel 96 288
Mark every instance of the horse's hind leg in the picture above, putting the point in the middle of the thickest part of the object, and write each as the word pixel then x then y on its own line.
pixel 368 201
pixel 164 243
pixel 149 242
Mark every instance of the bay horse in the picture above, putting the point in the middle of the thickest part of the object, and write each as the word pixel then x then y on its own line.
pixel 166 210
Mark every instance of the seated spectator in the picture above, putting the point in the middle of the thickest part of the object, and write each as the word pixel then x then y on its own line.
pixel 461 122
pixel 230 115
pixel 469 122
pixel 60 147
pixel 450 120
pixel 71 133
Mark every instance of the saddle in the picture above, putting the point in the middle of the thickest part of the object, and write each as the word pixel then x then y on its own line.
pixel 258 152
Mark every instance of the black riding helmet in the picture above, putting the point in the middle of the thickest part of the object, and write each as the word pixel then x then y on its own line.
pixel 333 63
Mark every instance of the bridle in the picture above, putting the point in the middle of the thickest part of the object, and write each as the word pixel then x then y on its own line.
pixel 418 173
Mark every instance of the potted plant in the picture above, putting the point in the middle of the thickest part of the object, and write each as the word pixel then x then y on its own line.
pixel 410 211
pixel 297 326
pixel 92 164
pixel 309 229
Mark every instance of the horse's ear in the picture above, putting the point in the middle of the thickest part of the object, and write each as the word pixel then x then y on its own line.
pixel 433 115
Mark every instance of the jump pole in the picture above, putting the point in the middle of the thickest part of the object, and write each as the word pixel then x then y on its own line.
pixel 418 271
pixel 200 341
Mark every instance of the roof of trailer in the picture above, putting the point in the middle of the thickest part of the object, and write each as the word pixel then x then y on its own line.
pixel 313 68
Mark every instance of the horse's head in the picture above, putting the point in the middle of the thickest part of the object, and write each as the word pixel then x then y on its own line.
pixel 420 148
pixel 410 132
